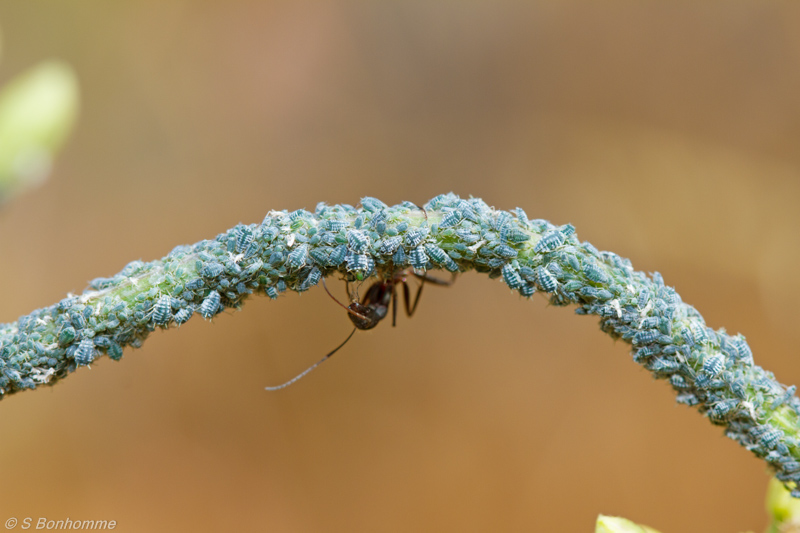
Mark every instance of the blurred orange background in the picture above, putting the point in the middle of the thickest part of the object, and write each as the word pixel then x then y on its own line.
pixel 667 133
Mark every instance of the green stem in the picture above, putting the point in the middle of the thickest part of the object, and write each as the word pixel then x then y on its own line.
pixel 709 369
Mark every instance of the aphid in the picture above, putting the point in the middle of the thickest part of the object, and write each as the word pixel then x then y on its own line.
pixel 399 257
pixel 272 292
pixel 78 320
pixel 418 258
pixel 337 256
pixel 313 277
pixel 568 230
pixel 547 281
pixel 501 219
pixel 512 277
pixel 713 365
pixel 785 397
pixel 549 242
pixel 687 398
pixel 244 237
pixel 467 236
pixel 66 336
pixel 505 251
pixel 360 262
pixel 466 210
pixel 335 225
pixel 451 219
pixel 514 235
pixel 664 366
pixel 436 254
pixel 85 352
pixel 790 466
pixel 646 351
pixel 297 257
pixel 358 241
pixel 527 273
pixel 769 439
pixel 595 273
pixel 645 337
pixel 183 315
pixel 162 310
pixel 648 322
pixel 372 204
pixel 527 290
pixel 210 305
pixel 414 237
pixel 678 382
pixel 721 410
pixel 212 270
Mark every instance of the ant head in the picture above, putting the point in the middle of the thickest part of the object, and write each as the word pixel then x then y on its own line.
pixel 362 316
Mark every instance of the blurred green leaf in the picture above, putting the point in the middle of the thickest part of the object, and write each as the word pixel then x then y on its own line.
pixel 38 109
pixel 783 510
pixel 614 524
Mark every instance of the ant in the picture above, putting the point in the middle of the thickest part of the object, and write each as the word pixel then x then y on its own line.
pixel 374 307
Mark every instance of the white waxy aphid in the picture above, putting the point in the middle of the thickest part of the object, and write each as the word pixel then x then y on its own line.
pixel 646 309
pixel 615 304
pixel 290 240
pixel 474 247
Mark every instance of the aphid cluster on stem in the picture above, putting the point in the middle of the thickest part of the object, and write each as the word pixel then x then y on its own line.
pixel 294 251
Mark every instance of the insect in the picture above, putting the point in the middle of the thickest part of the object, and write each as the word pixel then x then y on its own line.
pixel 374 307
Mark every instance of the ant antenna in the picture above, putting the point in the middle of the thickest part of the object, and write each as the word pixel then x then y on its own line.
pixel 312 367
pixel 359 315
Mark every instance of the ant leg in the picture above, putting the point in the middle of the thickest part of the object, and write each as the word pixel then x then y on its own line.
pixel 394 304
pixel 436 281
pixel 410 310
pixel 359 315
pixel 312 367
pixel 424 212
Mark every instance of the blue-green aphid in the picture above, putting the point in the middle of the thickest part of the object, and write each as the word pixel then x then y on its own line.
pixel 212 269
pixel 549 242
pixel 547 281
pixel 436 254
pixel 210 304
pixel 389 245
pixel 162 310
pixel 337 256
pixel 359 262
pixel 85 352
pixel 399 257
pixel 297 257
pixel 512 277
pixel 414 237
pixel 451 218
pixel 594 273
pixel 358 241
pixel 418 258
pixel 645 337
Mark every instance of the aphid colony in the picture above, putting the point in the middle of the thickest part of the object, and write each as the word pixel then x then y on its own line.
pixel 296 250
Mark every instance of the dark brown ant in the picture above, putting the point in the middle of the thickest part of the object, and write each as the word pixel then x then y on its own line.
pixel 374 307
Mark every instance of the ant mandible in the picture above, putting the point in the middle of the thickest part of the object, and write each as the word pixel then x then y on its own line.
pixel 375 306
